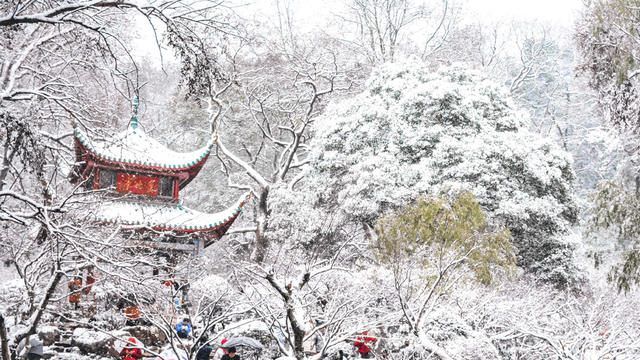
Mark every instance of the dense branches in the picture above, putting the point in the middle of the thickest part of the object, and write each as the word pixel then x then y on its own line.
pixel 384 27
pixel 431 246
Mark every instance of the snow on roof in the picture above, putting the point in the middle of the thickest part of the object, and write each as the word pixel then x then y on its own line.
pixel 134 146
pixel 167 216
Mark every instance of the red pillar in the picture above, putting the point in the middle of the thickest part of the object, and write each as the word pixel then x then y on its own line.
pixel 175 188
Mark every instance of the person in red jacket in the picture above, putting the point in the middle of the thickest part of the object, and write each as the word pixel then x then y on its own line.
pixel 361 344
pixel 130 351
pixel 91 279
pixel 75 292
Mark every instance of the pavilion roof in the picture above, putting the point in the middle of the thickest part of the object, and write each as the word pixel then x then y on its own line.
pixel 168 217
pixel 135 148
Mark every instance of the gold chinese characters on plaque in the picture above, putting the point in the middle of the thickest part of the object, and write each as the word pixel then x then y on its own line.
pixel 137 184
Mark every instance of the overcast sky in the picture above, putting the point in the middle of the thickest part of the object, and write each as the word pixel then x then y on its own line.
pixel 310 14
pixel 560 12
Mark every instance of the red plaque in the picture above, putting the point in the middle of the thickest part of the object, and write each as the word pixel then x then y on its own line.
pixel 137 184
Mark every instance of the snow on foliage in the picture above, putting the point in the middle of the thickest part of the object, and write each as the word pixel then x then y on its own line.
pixel 414 131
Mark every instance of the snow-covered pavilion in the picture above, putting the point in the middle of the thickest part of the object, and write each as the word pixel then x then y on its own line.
pixel 145 179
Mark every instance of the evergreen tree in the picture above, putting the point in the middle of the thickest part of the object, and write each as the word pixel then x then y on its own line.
pixel 415 132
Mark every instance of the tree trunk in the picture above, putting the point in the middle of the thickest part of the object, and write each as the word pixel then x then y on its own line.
pixel 6 161
pixel 34 319
pixel 298 334
pixel 4 342
pixel 290 305
pixel 262 243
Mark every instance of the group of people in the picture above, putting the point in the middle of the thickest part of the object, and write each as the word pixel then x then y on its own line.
pixel 76 290
pixel 223 353
pixel 132 351
pixel 183 330
pixel 312 345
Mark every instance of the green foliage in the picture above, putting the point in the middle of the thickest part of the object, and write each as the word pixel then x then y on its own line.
pixel 615 15
pixel 628 273
pixel 437 232
pixel 607 38
pixel 617 209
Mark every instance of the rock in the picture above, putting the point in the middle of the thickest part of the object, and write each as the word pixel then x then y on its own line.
pixel 91 342
pixel 147 335
pixel 49 335
pixel 75 356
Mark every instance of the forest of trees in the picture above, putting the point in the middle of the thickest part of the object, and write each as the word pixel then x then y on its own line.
pixel 455 188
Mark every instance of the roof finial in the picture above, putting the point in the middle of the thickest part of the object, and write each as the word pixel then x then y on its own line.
pixel 134 118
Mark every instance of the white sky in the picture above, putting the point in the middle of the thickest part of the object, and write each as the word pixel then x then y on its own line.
pixel 316 13
pixel 559 12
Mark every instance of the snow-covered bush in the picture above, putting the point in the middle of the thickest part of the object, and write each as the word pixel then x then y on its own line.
pixel 413 132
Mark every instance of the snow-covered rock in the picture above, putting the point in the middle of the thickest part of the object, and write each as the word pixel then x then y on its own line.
pixel 49 334
pixel 91 342
pixel 148 335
